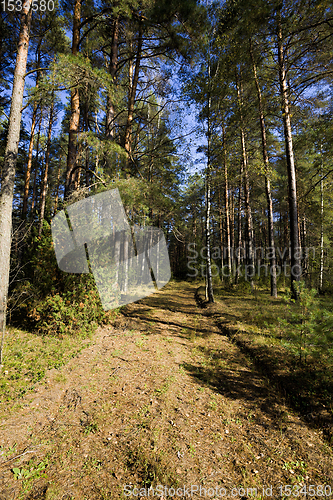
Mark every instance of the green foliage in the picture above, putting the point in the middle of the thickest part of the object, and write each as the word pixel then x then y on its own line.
pixel 57 303
pixel 76 311
pixel 32 473
pixel 27 357
pixel 307 327
pixel 90 428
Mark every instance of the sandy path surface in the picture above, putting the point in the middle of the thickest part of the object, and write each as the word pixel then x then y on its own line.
pixel 160 398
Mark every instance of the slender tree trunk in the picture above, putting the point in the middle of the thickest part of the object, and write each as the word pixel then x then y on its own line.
pixel 11 151
pixel 209 280
pixel 249 220
pixel 239 241
pixel 86 151
pixel 132 94
pixel 34 189
pixel 77 174
pixel 46 171
pixel 321 272
pixel 75 106
pixel 226 195
pixel 56 199
pixel 221 232
pixel 295 271
pixel 31 147
pixel 110 113
pixel 271 241
pixel 29 163
pixel 232 223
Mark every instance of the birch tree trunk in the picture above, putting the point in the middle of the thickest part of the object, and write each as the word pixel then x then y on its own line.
pixel 11 151
pixel 209 280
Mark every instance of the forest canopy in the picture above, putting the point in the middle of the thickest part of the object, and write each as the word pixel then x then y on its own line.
pixel 94 96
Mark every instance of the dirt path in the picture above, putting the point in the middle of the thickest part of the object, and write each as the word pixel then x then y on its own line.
pixel 161 398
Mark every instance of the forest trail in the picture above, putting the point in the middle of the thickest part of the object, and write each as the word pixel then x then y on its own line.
pixel 161 397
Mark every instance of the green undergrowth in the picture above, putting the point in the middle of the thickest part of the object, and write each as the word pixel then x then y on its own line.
pixel 291 341
pixel 27 356
pixel 49 301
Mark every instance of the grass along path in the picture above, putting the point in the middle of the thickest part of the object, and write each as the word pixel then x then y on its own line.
pixel 162 398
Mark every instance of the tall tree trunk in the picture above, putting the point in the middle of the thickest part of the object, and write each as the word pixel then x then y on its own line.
pixel 56 199
pixel 29 163
pixel 221 232
pixel 239 241
pixel 31 145
pixel 77 173
pixel 209 280
pixel 110 112
pixel 34 189
pixel 271 241
pixel 11 151
pixel 249 220
pixel 46 171
pixel 232 224
pixel 226 195
pixel 295 271
pixel 321 271
pixel 132 94
pixel 75 106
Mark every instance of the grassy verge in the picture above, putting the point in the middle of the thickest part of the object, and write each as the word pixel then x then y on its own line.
pixel 27 356
pixel 291 343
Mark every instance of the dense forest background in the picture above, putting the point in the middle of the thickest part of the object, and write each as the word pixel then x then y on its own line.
pixel 93 97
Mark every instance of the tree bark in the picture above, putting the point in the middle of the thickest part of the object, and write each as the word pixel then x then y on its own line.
pixel 31 147
pixel 56 199
pixel 209 280
pixel 226 195
pixel 132 94
pixel 295 271
pixel 232 223
pixel 271 241
pixel 321 271
pixel 75 106
pixel 221 232
pixel 110 113
pixel 11 151
pixel 46 171
pixel 239 242
pixel 34 189
pixel 249 220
